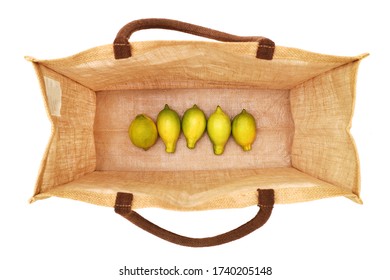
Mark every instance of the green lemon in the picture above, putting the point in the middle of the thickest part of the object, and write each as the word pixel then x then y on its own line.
pixel 143 132
pixel 168 126
pixel 193 125
pixel 218 129
pixel 244 130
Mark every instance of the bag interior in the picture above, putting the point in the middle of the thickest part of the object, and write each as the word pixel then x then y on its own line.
pixel 302 103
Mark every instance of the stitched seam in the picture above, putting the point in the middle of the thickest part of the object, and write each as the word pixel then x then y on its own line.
pixel 265 206
pixel 122 205
pixel 266 46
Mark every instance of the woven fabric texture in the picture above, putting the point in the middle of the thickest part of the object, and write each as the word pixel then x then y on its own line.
pixel 303 103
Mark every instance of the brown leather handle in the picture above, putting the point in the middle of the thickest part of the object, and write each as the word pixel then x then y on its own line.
pixel 122 47
pixel 265 202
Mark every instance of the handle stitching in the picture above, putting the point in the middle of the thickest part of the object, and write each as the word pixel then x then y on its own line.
pixel 264 206
pixel 126 207
pixel 267 46
pixel 123 205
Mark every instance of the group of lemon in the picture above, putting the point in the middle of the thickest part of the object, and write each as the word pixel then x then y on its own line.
pixel 143 131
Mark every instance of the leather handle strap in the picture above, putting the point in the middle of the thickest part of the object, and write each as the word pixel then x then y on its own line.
pixel 122 47
pixel 265 202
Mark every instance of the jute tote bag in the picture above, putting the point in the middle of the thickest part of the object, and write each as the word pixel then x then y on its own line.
pixel 302 102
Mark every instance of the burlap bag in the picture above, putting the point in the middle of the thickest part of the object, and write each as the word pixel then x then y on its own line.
pixel 303 104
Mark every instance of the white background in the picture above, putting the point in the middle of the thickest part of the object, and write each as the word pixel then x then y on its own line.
pixel 65 239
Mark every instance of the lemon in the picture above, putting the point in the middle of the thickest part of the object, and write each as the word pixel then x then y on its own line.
pixel 193 125
pixel 143 132
pixel 168 126
pixel 244 130
pixel 218 129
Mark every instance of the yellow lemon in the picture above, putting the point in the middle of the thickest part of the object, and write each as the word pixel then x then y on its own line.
pixel 143 132
pixel 193 125
pixel 168 126
pixel 218 129
pixel 244 130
